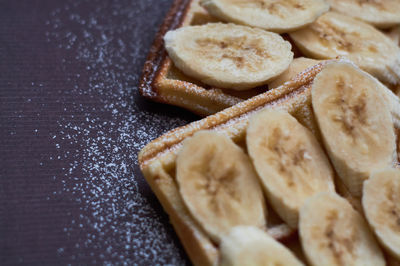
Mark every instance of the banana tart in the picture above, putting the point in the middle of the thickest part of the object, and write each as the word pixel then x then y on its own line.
pixel 212 54
pixel 301 174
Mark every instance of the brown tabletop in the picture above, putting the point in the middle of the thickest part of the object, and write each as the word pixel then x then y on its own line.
pixel 72 123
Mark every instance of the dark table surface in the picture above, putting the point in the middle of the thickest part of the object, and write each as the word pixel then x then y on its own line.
pixel 71 124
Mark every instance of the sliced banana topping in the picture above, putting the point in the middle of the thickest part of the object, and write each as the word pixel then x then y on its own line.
pixel 335 35
pixel 381 204
pixel 218 184
pixel 355 122
pixel 274 15
pixel 393 102
pixel 333 233
pixel 298 65
pixel 380 13
pixel 228 55
pixel 289 160
pixel 251 246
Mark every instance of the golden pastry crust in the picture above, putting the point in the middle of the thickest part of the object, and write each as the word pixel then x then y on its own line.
pixel 162 82
pixel 157 160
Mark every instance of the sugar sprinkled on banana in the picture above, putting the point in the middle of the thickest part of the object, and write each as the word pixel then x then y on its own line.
pixel 355 121
pixel 381 204
pixel 392 101
pixel 228 55
pixel 289 161
pixel 333 233
pixel 251 246
pixel 335 35
pixel 218 184
pixel 380 13
pixel 274 15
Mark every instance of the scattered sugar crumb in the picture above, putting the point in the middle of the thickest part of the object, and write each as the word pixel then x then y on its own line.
pixel 103 149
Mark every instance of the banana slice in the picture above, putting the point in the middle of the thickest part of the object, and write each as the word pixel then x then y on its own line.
pixel 289 160
pixel 218 184
pixel 335 35
pixel 298 65
pixel 381 204
pixel 355 122
pixel 393 102
pixel 251 246
pixel 228 55
pixel 380 13
pixel 274 15
pixel 333 233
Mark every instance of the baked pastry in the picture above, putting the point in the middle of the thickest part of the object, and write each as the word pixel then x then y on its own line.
pixel 158 160
pixel 163 82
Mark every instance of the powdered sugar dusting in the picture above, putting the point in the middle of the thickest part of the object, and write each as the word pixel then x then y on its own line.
pixel 103 146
